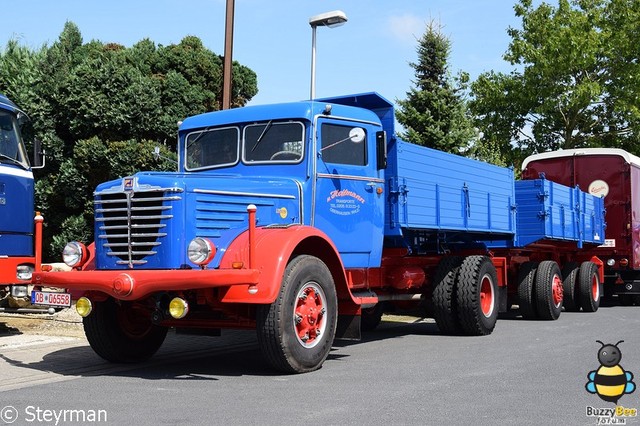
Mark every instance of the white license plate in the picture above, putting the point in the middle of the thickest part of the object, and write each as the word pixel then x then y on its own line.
pixel 50 299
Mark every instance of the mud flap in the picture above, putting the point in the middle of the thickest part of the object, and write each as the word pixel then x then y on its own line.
pixel 348 328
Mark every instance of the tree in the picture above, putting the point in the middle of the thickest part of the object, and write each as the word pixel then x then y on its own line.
pixel 577 82
pixel 101 108
pixel 435 113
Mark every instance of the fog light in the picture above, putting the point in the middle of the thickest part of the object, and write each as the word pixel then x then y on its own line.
pixel 19 290
pixel 83 307
pixel 178 308
pixel 75 254
pixel 201 251
pixel 611 262
pixel 624 262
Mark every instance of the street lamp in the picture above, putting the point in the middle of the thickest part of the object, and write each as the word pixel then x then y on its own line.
pixel 327 19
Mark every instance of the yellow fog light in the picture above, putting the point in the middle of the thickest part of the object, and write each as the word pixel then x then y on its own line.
pixel 83 307
pixel 178 308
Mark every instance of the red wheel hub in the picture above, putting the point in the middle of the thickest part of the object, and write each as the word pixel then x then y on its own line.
pixel 595 287
pixel 309 315
pixel 557 291
pixel 486 296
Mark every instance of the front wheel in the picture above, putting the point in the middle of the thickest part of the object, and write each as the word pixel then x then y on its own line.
pixel 122 331
pixel 296 331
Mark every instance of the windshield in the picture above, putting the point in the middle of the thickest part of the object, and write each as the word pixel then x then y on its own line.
pixel 12 148
pixel 261 143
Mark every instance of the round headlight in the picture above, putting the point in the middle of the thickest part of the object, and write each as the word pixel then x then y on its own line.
pixel 75 254
pixel 611 262
pixel 201 251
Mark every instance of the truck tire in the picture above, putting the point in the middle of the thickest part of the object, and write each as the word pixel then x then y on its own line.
pixel 443 297
pixel 526 281
pixel 296 331
pixel 477 292
pixel 589 286
pixel 548 290
pixel 122 332
pixel 371 317
pixel 570 299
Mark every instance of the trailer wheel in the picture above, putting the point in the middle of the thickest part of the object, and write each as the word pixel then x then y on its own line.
pixel 445 310
pixel 122 331
pixel 526 281
pixel 295 333
pixel 477 295
pixel 570 286
pixel 548 290
pixel 589 285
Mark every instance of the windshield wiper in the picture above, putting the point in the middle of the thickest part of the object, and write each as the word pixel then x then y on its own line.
pixel 5 158
pixel 267 127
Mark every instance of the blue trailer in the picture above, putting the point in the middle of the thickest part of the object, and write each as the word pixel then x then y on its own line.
pixel 306 221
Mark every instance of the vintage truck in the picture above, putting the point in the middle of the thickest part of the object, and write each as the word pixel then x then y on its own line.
pixel 305 220
pixel 20 225
pixel 613 174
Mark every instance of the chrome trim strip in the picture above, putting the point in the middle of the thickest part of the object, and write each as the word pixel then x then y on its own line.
pixel 244 194
pixel 350 177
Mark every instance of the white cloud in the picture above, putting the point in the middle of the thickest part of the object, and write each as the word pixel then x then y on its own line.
pixel 407 27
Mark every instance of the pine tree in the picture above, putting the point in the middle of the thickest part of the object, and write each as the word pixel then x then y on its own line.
pixel 435 113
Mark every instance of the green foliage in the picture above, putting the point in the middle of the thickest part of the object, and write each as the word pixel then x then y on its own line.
pixel 435 113
pixel 100 109
pixel 579 81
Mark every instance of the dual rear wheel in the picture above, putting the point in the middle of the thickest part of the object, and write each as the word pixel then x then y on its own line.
pixel 465 295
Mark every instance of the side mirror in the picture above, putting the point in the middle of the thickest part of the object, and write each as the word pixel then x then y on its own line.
pixel 39 158
pixel 381 150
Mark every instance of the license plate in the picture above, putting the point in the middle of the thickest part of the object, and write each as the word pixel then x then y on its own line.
pixel 50 299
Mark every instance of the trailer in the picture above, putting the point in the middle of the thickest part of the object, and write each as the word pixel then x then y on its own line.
pixel 307 220
pixel 614 175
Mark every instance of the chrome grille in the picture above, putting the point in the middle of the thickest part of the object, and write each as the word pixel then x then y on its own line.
pixel 132 224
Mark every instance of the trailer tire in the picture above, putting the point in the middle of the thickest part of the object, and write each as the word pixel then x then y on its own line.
pixel 122 332
pixel 570 295
pixel 526 281
pixel 477 292
pixel 590 287
pixel 296 331
pixel 445 310
pixel 548 290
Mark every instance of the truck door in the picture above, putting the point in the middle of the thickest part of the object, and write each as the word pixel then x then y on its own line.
pixel 349 196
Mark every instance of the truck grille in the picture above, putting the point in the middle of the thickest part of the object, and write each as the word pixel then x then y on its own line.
pixel 132 224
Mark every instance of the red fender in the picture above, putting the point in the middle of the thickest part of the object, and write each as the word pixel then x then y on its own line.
pixel 274 248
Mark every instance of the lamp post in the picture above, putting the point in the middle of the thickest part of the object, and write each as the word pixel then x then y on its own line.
pixel 328 19
pixel 228 56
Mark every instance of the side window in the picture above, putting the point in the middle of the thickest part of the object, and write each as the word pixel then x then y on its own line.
pixel 343 144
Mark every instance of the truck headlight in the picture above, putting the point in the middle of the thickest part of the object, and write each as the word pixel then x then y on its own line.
pixel 24 272
pixel 75 254
pixel 201 251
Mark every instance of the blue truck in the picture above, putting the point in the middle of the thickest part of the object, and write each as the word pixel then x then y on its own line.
pixel 307 220
pixel 20 225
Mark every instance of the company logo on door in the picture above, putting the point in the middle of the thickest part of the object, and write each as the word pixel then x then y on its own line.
pixel 344 202
pixel 599 188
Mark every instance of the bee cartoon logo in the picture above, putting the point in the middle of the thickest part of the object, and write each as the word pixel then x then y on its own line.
pixel 610 381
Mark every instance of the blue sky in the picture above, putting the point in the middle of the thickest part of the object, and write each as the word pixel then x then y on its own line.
pixel 371 52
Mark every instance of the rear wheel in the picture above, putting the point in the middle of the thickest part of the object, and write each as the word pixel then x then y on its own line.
pixel 526 280
pixel 295 333
pixel 476 295
pixel 123 331
pixel 445 310
pixel 548 290
pixel 570 286
pixel 589 285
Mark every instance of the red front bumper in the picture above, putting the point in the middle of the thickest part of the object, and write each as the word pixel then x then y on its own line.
pixel 136 284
